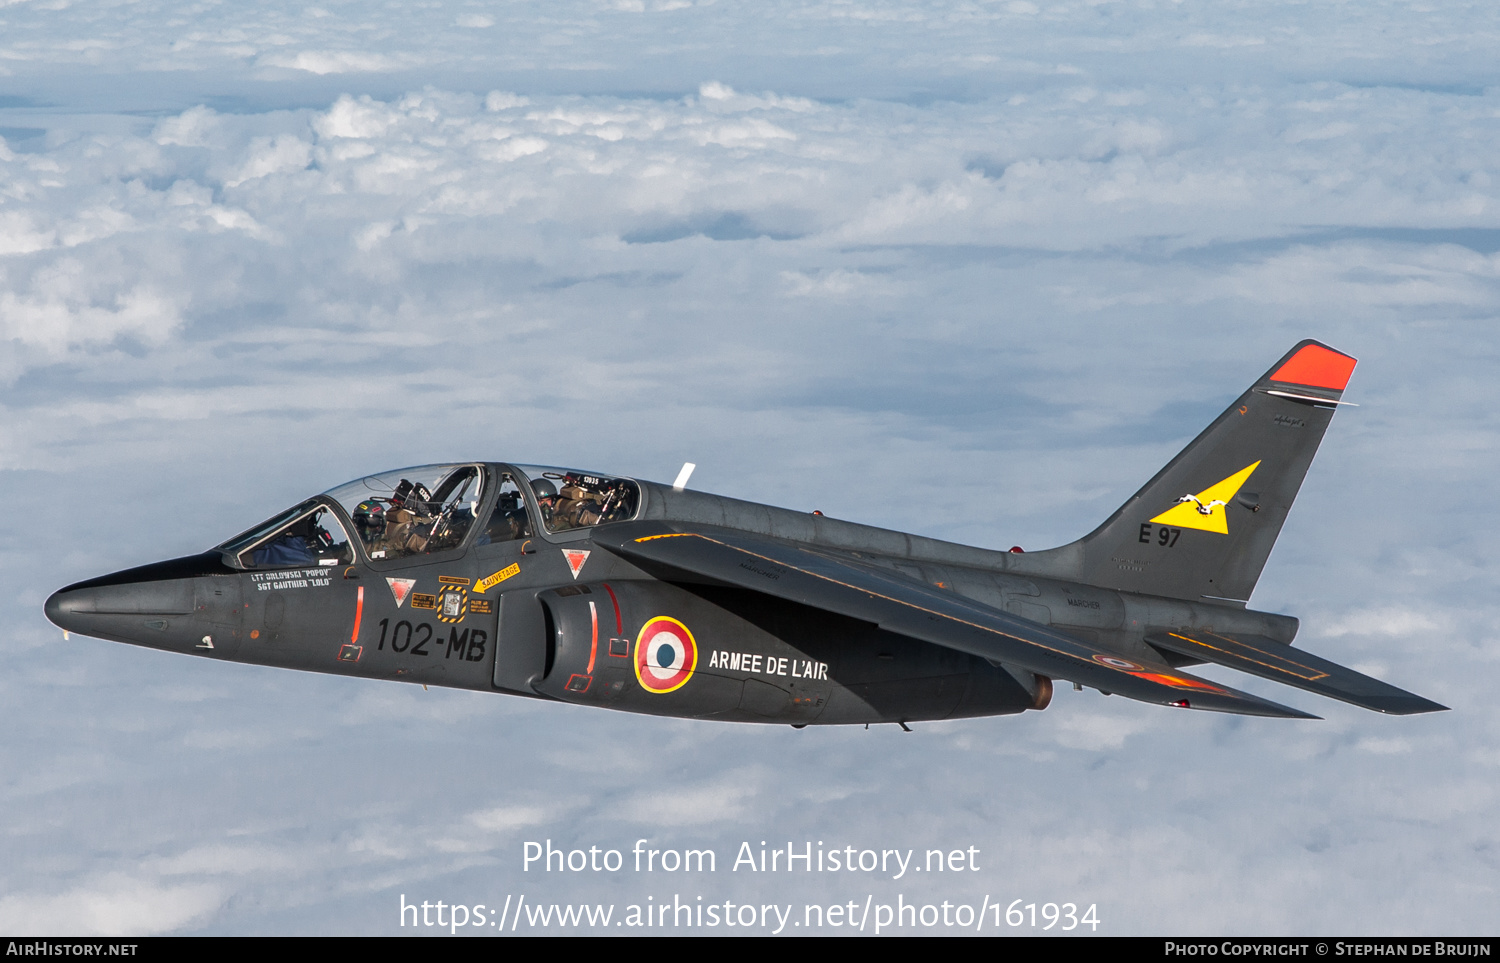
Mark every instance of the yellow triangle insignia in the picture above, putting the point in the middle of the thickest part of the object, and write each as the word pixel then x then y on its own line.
pixel 1205 510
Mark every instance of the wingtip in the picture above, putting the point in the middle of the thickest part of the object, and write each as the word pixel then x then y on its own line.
pixel 1416 705
pixel 1244 704
pixel 1290 713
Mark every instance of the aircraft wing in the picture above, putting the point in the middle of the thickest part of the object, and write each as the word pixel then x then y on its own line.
pixel 840 583
pixel 1273 660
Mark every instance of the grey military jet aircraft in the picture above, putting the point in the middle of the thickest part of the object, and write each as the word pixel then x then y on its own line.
pixel 587 588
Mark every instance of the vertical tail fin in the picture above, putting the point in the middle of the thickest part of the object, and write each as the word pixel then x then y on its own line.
pixel 1205 525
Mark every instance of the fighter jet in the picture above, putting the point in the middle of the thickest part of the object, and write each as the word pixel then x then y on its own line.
pixel 598 590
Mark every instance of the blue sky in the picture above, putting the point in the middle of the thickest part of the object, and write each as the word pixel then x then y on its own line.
pixel 973 270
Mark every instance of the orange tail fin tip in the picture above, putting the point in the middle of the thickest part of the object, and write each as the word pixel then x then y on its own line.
pixel 1316 367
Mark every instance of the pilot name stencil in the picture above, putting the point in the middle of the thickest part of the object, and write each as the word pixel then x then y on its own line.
pixel 276 581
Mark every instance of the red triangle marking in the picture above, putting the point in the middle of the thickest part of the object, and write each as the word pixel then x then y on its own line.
pixel 575 558
pixel 400 588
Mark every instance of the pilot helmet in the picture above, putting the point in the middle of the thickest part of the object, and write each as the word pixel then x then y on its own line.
pixel 544 489
pixel 369 519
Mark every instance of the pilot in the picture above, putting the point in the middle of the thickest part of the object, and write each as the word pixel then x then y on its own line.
pixel 450 526
pixel 304 542
pixel 406 522
pixel 369 522
pixel 547 502
pixel 508 522
pixel 576 507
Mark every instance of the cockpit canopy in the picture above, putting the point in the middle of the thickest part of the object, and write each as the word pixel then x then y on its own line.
pixel 431 509
pixel 414 511
pixel 305 536
pixel 570 499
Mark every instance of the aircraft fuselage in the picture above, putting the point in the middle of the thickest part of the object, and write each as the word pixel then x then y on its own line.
pixel 517 617
pixel 584 588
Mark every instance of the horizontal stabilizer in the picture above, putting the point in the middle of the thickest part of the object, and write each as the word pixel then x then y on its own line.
pixel 843 585
pixel 1273 660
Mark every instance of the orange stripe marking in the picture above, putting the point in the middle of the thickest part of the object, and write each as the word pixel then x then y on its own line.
pixel 594 642
pixel 1316 367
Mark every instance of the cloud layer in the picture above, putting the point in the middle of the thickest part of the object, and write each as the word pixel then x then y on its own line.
pixel 971 270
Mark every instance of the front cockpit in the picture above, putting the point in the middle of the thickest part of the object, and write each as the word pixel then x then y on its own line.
pixel 388 521
pixel 308 535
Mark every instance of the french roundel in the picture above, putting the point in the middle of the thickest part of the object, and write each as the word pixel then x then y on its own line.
pixel 665 655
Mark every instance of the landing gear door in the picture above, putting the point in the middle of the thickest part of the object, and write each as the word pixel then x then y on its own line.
pixel 521 642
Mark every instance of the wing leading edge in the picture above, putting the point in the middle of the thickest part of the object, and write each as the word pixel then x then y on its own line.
pixel 897 604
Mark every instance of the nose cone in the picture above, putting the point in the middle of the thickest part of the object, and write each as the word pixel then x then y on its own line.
pixel 139 612
pixel 64 607
pixel 138 605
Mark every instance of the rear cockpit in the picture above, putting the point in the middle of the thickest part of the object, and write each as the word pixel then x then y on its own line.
pixel 569 499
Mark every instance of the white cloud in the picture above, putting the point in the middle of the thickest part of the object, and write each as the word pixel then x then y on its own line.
pixel 61 314
pixel 836 283
pixel 272 155
pixel 504 819
pixel 222 859
pixel 114 904
pixel 724 800
pixel 1079 729
pixel 1388 621
pixel 966 269
pixel 361 118
pixel 336 61
pixel 19 235
pixel 194 127
pixel 498 100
